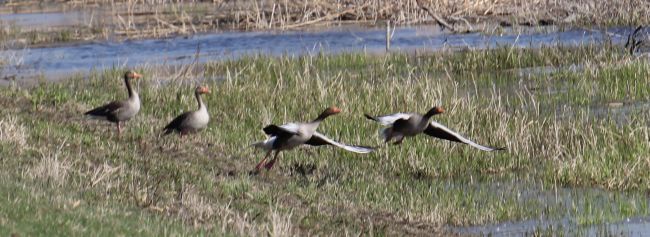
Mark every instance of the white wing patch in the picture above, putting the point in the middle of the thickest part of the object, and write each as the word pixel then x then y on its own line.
pixel 266 145
pixel 356 149
pixel 391 118
pixel 461 138
pixel 291 127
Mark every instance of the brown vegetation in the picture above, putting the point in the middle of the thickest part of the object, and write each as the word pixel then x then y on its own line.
pixel 162 18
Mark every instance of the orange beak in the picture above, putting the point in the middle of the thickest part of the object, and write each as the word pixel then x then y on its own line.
pixel 440 110
pixel 136 75
pixel 205 90
pixel 335 110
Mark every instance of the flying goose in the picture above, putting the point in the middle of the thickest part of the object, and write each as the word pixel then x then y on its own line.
pixel 401 125
pixel 191 121
pixel 122 110
pixel 291 135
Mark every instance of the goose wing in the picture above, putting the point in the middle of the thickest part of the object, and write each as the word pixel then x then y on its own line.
pixel 106 111
pixel 440 131
pixel 176 123
pixel 284 130
pixel 319 139
pixel 389 118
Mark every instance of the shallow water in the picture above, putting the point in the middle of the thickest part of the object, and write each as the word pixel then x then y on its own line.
pixel 231 45
pixel 570 202
pixel 46 19
pixel 629 227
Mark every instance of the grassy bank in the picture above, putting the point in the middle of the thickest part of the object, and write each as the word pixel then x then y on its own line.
pixel 580 131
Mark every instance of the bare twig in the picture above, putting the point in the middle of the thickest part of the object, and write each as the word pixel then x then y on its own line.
pixel 435 16
pixel 328 17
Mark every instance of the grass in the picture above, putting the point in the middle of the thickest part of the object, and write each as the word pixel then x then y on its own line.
pixel 570 154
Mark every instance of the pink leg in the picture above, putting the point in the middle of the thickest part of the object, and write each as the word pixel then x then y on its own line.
pixel 269 165
pixel 259 165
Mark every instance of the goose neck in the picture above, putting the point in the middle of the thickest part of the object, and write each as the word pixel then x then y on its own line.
pixel 199 101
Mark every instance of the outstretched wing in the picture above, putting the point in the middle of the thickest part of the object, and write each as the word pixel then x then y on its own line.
pixel 388 119
pixel 440 131
pixel 284 130
pixel 319 139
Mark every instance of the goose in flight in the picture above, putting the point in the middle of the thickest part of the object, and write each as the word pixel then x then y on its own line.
pixel 291 135
pixel 402 125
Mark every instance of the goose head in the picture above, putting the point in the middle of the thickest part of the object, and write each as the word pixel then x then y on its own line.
pixel 202 90
pixel 328 112
pixel 132 75
pixel 433 111
pixel 331 111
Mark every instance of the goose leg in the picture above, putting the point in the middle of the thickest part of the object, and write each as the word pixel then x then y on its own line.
pixel 269 165
pixel 261 163
pixel 399 141
pixel 119 128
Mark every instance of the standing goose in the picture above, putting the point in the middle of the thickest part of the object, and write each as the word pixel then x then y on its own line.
pixel 191 121
pixel 401 125
pixel 291 135
pixel 120 111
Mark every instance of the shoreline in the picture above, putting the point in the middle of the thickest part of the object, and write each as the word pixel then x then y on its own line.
pixel 99 21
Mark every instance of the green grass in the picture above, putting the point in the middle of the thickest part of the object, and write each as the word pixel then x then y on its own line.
pixel 560 132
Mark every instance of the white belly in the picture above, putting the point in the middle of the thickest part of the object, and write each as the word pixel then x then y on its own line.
pixel 197 120
pixel 129 111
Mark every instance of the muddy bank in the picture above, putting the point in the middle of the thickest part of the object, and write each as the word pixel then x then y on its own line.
pixel 102 20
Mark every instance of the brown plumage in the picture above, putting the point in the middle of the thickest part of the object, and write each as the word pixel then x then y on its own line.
pixel 191 121
pixel 122 110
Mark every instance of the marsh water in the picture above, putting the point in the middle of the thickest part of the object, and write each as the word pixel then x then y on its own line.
pixel 569 202
pixel 60 61
pixel 63 60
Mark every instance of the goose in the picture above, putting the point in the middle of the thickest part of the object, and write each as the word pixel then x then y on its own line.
pixel 402 125
pixel 291 135
pixel 191 121
pixel 119 111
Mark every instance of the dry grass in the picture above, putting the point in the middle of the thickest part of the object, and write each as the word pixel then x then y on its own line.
pixel 13 133
pixel 51 169
pixel 281 224
pixel 154 19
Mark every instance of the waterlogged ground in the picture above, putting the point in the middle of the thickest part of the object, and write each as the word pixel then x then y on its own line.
pixel 574 121
pixel 23 65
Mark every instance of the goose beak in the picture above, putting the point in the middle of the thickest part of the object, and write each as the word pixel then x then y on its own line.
pixel 137 75
pixel 205 90
pixel 335 110
pixel 440 110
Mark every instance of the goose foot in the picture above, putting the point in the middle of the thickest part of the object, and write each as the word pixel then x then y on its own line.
pixel 269 165
pixel 262 162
